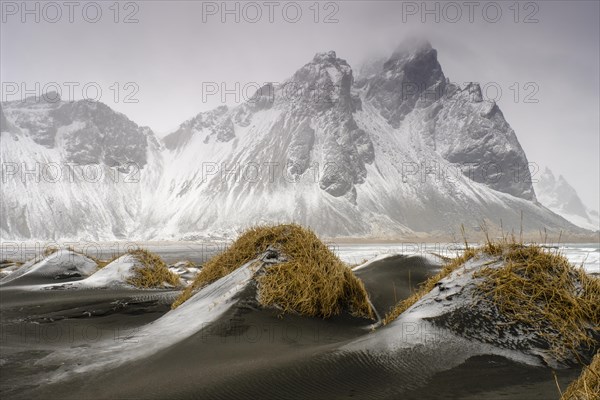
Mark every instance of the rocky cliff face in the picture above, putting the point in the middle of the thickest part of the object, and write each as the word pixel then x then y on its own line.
pixel 320 110
pixel 87 132
pixel 72 170
pixel 400 151
pixel 472 134
pixel 411 78
pixel 313 108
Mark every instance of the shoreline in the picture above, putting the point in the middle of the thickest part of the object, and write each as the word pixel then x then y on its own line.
pixel 472 238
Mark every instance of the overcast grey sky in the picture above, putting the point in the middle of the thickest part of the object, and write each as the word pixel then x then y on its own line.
pixel 544 51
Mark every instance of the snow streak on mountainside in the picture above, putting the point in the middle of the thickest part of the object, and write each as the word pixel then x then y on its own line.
pixel 401 151
pixel 560 197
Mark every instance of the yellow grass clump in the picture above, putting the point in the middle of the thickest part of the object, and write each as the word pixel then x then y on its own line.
pixel 535 287
pixel 313 281
pixel 587 386
pixel 7 262
pixel 152 271
pixel 49 251
pixel 101 263
pixel 542 289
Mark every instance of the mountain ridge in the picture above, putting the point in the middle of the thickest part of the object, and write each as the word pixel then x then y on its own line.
pixel 402 152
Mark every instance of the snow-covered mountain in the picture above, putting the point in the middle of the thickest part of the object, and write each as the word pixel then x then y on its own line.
pixel 73 170
pixel 400 151
pixel 560 197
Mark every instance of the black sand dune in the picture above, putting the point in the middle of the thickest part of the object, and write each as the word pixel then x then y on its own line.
pixel 248 352
pixel 394 278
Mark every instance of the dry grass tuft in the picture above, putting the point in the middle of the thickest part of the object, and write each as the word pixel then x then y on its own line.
pixel 101 263
pixel 587 386
pixel 152 271
pixel 543 290
pixel 535 287
pixel 312 282
pixel 6 262
pixel 429 284
pixel 49 251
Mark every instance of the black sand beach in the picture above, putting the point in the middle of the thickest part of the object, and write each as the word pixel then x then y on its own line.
pixel 248 352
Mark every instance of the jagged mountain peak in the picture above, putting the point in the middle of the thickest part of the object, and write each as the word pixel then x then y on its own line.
pixel 324 68
pixel 325 57
pixel 323 83
pixel 417 59
pixel 318 149
pixel 406 51
pixel 52 97
pixel 404 79
pixel 85 132
pixel 422 69
pixel 412 92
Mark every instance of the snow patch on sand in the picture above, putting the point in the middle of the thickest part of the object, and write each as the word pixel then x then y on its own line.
pixel 371 261
pixel 62 263
pixel 114 274
pixel 204 307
